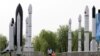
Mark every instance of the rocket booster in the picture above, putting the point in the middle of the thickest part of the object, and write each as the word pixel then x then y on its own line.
pixel 29 25
pixel 93 23
pixel 19 27
pixel 86 30
pixel 93 43
pixel 69 37
pixel 79 34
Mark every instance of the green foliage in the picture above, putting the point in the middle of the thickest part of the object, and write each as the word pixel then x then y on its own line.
pixel 45 40
pixel 23 41
pixel 75 40
pixel 62 34
pixel 58 41
pixel 3 42
pixel 37 44
pixel 82 37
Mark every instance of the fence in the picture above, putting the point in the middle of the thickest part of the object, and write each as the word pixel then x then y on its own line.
pixel 24 54
pixel 78 54
pixel 57 54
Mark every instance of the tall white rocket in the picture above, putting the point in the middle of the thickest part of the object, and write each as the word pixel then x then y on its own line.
pixel 79 34
pixel 29 26
pixel 93 44
pixel 29 35
pixel 69 37
pixel 28 46
pixel 86 30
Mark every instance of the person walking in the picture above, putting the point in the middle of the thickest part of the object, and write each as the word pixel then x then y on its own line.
pixel 49 52
pixel 53 53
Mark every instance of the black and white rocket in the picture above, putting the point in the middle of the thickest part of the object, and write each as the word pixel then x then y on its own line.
pixel 19 28
pixel 69 37
pixel 86 29
pixel 93 44
pixel 79 34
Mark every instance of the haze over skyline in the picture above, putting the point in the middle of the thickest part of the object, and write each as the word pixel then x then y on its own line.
pixel 46 14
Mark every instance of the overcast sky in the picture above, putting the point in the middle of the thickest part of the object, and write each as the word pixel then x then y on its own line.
pixel 47 14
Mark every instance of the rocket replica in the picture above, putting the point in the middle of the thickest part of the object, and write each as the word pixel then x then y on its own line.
pixel 10 46
pixel 93 44
pixel 15 32
pixel 69 37
pixel 79 34
pixel 86 30
pixel 19 26
pixel 28 46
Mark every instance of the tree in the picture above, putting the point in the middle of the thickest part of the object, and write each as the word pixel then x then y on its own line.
pixel 45 40
pixel 58 41
pixel 75 40
pixel 36 43
pixel 62 34
pixel 3 42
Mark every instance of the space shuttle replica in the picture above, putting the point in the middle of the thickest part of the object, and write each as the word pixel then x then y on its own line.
pixel 16 32
pixel 11 37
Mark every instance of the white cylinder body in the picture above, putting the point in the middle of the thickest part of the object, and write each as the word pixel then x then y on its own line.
pixel 93 28
pixel 11 37
pixel 18 34
pixel 69 39
pixel 86 33
pixel 28 31
pixel 93 44
pixel 79 37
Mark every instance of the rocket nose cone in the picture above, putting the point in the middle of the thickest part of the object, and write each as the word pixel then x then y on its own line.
pixel 19 7
pixel 30 9
pixel 93 12
pixel 86 10
pixel 19 10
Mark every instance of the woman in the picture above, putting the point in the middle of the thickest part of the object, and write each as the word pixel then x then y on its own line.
pixel 53 53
